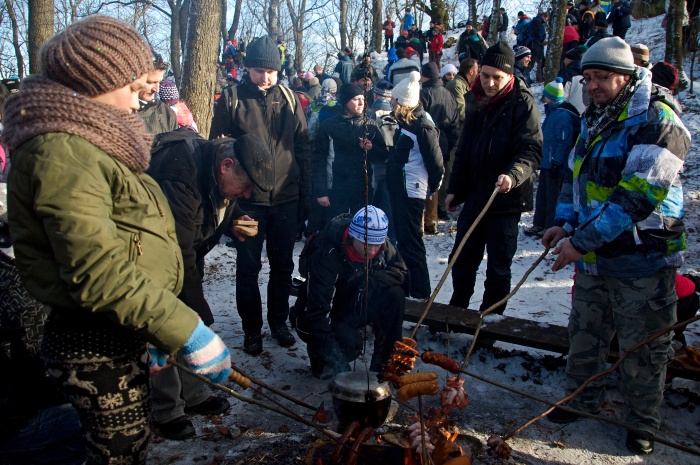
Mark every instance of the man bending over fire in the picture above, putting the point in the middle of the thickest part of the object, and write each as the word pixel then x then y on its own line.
pixel 330 310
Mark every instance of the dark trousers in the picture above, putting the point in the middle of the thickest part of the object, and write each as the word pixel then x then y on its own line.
pixel 381 200
pixel 548 191
pixel 277 226
pixel 620 32
pixel 499 235
pixel 318 216
pixel 408 219
pixel 537 59
pixel 385 314
pixel 346 201
pixel 388 42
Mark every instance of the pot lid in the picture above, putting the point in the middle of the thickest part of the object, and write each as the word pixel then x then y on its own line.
pixel 352 386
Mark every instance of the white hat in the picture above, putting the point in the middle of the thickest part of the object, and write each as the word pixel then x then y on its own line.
pixel 448 68
pixel 407 91
pixel 377 225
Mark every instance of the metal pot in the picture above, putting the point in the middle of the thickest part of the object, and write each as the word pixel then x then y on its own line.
pixel 354 400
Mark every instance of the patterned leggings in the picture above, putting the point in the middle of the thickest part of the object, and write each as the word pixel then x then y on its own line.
pixel 104 374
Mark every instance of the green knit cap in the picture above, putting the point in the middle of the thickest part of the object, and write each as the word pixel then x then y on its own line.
pixel 555 90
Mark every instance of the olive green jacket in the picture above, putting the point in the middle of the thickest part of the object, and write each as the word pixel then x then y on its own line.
pixel 459 87
pixel 96 241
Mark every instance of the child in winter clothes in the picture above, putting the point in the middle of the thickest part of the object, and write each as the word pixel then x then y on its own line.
pixel 560 130
pixel 330 310
pixel 170 96
pixel 414 173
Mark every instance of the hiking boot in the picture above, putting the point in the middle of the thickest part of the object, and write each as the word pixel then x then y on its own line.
pixel 430 229
pixel 212 406
pixel 283 336
pixel 252 343
pixel 562 416
pixel 534 231
pixel 180 428
pixel 640 442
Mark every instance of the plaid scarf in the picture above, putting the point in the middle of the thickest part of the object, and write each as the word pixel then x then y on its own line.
pixel 600 118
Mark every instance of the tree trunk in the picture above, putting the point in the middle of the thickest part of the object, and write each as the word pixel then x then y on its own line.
pixel 175 55
pixel 199 70
pixel 272 21
pixel 377 22
pixel 222 27
pixel 40 29
pixel 233 30
pixel 555 39
pixel 343 24
pixel 15 39
pixel 472 12
pixel 674 40
pixel 183 25
pixel 493 22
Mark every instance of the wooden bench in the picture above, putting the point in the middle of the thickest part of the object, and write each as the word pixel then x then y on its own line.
pixel 509 329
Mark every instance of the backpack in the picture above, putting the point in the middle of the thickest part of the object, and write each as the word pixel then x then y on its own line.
pixel 168 144
pixel 231 97
pixel 525 31
pixel 387 128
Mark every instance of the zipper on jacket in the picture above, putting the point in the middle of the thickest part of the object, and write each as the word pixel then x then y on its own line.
pixel 137 240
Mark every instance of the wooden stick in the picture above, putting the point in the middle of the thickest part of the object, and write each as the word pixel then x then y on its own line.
pixel 275 390
pixel 452 261
pixel 501 302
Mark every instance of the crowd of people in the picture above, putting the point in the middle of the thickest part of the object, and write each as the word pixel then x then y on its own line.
pixel 113 208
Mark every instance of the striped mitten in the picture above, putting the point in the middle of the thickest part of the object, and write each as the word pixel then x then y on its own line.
pixel 207 354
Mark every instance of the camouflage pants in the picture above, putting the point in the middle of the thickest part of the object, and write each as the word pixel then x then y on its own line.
pixel 634 308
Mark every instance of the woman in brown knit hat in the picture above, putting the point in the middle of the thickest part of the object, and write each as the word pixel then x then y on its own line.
pixel 93 235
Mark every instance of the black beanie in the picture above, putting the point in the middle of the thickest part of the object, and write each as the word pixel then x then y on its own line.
pixel 263 53
pixel 348 92
pixel 430 70
pixel 500 56
pixel 664 74
pixel 256 160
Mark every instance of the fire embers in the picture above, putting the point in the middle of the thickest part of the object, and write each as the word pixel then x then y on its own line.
pixel 401 360
pixel 453 395
pixel 498 445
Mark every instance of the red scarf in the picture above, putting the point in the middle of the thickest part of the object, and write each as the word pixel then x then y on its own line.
pixel 352 253
pixel 491 102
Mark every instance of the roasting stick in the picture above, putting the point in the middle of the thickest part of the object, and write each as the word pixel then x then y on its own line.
pixel 501 302
pixel 579 412
pixel 452 261
pixel 276 391
pixel 277 407
pixel 609 371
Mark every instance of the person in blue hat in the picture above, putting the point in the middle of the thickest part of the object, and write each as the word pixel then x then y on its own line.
pixel 330 311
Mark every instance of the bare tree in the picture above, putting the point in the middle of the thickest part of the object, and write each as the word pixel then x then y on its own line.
pixel 236 19
pixel 674 40
pixel 377 21
pixel 201 50
pixel 177 14
pixel 493 22
pixel 300 15
pixel 343 23
pixel 272 19
pixel 40 29
pixel 555 40
pixel 15 38
pixel 472 12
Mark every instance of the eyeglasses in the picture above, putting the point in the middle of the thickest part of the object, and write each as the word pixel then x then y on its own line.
pixel 598 79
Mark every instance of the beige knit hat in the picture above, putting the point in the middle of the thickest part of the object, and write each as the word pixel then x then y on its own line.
pixel 640 52
pixel 96 55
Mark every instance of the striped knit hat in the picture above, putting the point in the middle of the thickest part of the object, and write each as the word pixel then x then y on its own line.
pixel 555 90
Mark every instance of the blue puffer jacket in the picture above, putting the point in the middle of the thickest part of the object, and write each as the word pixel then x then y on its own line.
pixel 560 129
pixel 623 201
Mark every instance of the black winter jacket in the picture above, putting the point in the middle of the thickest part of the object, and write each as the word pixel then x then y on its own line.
pixel 570 70
pixel 267 115
pixel 619 15
pixel 337 156
pixel 442 107
pixel 505 140
pixel 201 215
pixel 334 281
pixel 157 116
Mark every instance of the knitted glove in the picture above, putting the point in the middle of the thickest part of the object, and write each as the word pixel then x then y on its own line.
pixel 157 357
pixel 207 354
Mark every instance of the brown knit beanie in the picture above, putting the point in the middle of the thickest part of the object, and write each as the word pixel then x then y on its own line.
pixel 96 55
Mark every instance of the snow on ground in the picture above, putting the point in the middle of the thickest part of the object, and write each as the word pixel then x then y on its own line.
pixel 544 298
